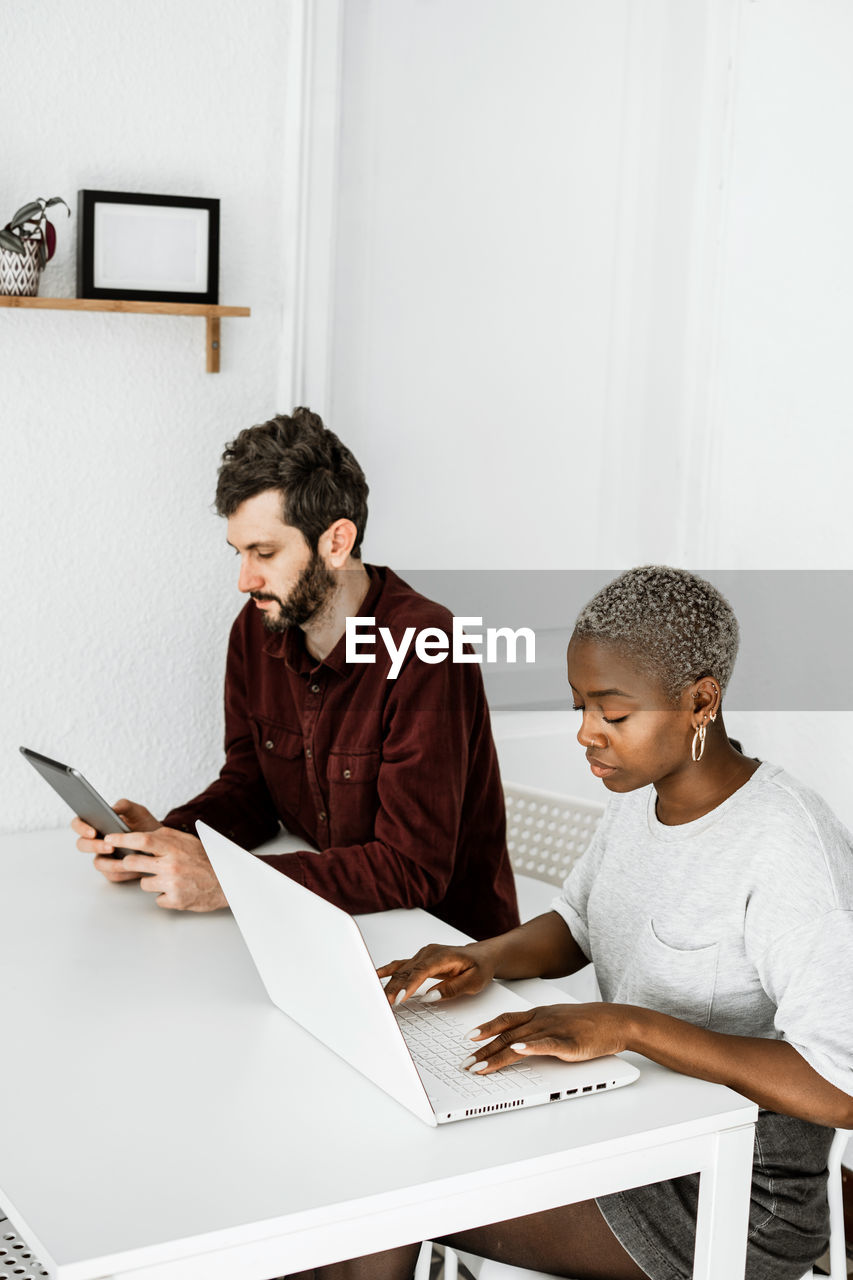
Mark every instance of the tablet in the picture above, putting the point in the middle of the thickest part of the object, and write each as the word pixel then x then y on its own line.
pixel 79 795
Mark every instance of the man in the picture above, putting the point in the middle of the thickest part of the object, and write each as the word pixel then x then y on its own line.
pixel 395 781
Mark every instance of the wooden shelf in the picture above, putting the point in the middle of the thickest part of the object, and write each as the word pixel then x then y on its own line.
pixel 213 314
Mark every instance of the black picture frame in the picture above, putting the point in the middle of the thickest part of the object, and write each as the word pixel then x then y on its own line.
pixel 199 271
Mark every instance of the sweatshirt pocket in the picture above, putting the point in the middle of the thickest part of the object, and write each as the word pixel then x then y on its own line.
pixel 669 979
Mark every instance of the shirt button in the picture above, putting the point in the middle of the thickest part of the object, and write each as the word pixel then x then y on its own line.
pixel 347 773
pixel 308 753
pixel 269 744
pixel 322 815
pixel 315 688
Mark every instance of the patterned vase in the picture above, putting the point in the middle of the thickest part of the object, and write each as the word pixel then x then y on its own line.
pixel 19 272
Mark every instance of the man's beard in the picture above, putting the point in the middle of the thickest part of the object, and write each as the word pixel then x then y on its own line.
pixel 312 590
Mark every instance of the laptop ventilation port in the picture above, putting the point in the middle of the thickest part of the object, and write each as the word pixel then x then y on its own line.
pixel 494 1106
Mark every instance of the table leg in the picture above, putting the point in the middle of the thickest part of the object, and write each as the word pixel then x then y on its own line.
pixel 723 1213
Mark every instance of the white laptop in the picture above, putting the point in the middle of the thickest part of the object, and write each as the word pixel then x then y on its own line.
pixel 306 949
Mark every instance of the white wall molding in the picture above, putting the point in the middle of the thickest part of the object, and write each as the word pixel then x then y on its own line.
pixel 314 170
pixel 632 322
pixel 698 535
pixel 659 452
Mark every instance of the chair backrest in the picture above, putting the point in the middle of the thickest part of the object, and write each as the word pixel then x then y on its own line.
pixel 547 833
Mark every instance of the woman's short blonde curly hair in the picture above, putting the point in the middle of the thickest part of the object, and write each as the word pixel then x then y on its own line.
pixel 676 624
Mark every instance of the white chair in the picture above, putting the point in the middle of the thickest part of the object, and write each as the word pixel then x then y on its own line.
pixel 451 1266
pixel 546 834
pixel 486 1269
pixel 837 1242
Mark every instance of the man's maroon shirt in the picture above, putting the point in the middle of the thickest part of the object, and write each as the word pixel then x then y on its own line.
pixel 395 781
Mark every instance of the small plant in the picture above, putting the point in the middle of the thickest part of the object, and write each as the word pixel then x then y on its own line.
pixel 32 223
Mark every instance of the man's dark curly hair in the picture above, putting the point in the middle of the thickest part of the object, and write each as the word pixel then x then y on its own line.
pixel 319 479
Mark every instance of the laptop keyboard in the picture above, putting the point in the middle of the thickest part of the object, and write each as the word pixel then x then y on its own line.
pixel 437 1042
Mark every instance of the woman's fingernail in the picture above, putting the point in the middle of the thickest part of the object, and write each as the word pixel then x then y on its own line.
pixel 431 996
pixel 480 1066
pixel 466 1064
pixel 518 1047
pixel 472 1035
pixel 401 995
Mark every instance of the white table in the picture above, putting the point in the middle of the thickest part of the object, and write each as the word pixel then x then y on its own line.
pixel 159 1118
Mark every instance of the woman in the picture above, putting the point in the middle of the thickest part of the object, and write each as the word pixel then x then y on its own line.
pixel 716 905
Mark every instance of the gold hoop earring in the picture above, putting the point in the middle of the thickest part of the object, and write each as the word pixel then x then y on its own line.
pixel 698 737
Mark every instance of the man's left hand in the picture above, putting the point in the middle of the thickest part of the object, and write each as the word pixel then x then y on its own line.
pixel 178 869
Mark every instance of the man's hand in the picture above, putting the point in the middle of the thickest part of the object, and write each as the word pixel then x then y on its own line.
pixel 137 817
pixel 171 864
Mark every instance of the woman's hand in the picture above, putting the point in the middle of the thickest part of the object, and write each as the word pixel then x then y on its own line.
pixel 573 1032
pixel 543 947
pixel 462 970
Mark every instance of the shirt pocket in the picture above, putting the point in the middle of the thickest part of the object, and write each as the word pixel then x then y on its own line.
pixel 352 778
pixel 280 754
pixel 674 980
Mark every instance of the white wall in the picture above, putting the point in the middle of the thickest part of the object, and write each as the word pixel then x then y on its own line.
pixel 592 281
pixel 784 388
pixel 516 218
pixel 118 589
pixel 560 337
pixel 591 300
pixel 780 451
